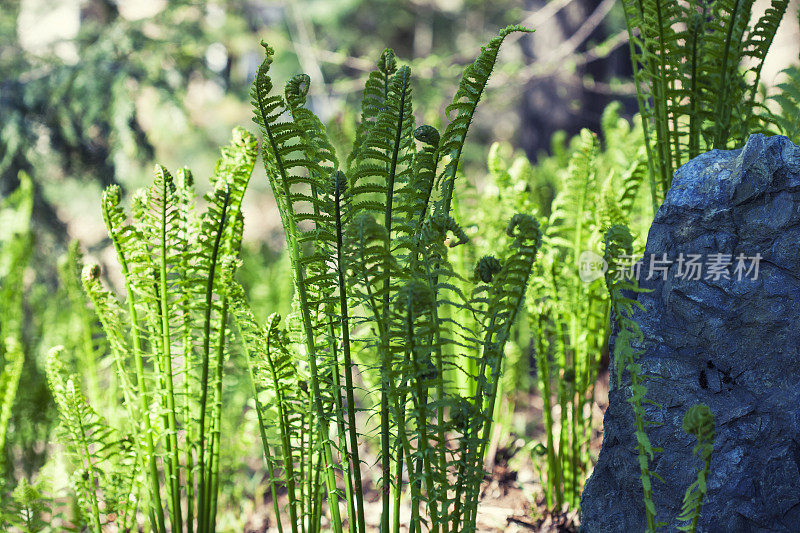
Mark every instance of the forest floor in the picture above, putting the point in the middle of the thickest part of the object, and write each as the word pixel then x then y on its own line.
pixel 511 496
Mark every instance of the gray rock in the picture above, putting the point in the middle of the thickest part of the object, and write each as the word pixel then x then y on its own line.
pixel 744 335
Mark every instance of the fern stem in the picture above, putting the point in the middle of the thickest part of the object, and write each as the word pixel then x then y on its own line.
pixel 543 367
pixel 156 507
pixel 386 357
pixel 216 415
pixel 166 342
pixel 212 269
pixel 92 481
pixel 264 442
pixel 341 432
pixel 348 363
pixel 288 460
pixel 299 279
pixel 722 118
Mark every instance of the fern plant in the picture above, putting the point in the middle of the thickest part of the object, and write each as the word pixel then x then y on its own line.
pixel 15 240
pixel 619 243
pixel 583 188
pixel 785 102
pixel 105 478
pixel 698 420
pixel 27 509
pixel 82 335
pixel 697 68
pixel 169 339
pixel 369 245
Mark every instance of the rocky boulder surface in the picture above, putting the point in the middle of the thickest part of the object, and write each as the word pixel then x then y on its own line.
pixel 728 337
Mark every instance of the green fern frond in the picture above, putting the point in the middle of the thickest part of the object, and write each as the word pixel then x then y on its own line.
pixel 699 422
pixel 12 360
pixel 788 102
pixel 618 244
pixel 462 109
pixel 105 480
pixel 112 318
pixel 570 219
pixel 692 91
pixel 376 91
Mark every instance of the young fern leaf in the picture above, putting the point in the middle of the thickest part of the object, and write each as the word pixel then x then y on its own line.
pixel 505 296
pixel 462 109
pixel 12 358
pixel 172 264
pixel 686 59
pixel 619 243
pixel 260 365
pixel 284 150
pixel 369 255
pixel 376 91
pixel 788 101
pixel 106 479
pixel 698 421
pixel 111 317
pixel 569 226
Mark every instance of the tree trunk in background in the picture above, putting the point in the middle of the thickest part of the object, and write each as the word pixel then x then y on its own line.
pixel 561 100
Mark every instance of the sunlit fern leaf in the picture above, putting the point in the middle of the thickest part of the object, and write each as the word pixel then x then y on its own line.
pixel 380 184
pixel 788 102
pixel 296 162
pixel 274 381
pixel 692 91
pixel 12 358
pixel 111 317
pixel 569 225
pixel 105 478
pixel 462 109
pixel 505 296
pixel 632 181
pixel 375 93
pixel 15 239
pixel 291 174
pixel 759 40
pixel 386 155
pixel 85 337
pixel 28 508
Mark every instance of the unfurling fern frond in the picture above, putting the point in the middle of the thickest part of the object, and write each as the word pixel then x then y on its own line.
pixel 462 109
pixel 376 91
pixel 788 102
pixel 369 249
pixel 619 244
pixel 570 223
pixel 699 422
pixel 285 151
pixel 504 298
pixel 28 508
pixel 170 340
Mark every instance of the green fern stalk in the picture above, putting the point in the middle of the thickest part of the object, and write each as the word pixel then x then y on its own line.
pixel 13 359
pixel 698 421
pixel 165 190
pixel 339 185
pixel 119 233
pixel 619 242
